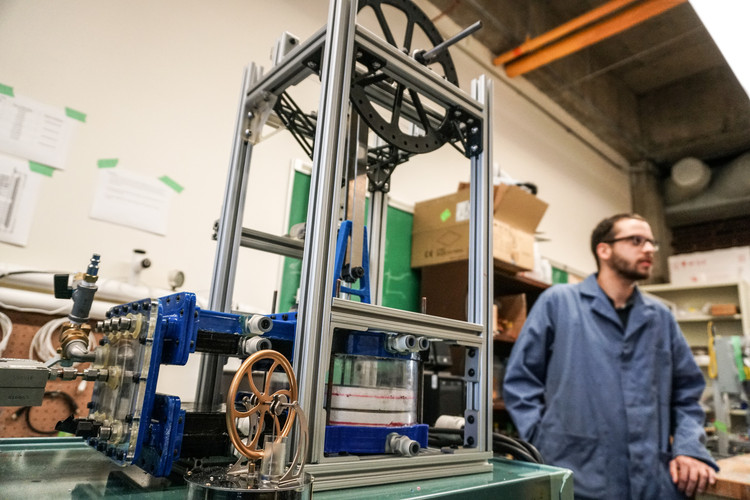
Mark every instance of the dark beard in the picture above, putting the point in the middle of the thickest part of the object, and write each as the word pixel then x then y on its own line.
pixel 620 266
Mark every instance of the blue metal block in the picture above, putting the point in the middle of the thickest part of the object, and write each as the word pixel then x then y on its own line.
pixel 164 440
pixel 362 439
pixel 284 326
pixel 372 344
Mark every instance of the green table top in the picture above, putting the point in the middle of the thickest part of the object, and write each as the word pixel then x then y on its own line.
pixel 53 468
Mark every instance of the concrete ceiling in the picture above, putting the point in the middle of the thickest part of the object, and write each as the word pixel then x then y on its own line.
pixel 659 91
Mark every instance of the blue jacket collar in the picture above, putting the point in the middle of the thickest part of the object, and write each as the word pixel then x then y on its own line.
pixel 639 315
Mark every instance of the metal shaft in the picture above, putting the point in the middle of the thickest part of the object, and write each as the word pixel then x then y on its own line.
pixel 431 54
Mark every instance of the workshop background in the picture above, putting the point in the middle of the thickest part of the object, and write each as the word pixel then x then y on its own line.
pixel 596 132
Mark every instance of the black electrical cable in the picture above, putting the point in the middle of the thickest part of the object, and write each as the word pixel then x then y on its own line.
pixel 516 452
pixel 72 406
pixel 528 447
pixel 501 443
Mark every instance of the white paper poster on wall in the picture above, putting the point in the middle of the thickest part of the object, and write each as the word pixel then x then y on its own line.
pixel 36 131
pixel 132 199
pixel 19 190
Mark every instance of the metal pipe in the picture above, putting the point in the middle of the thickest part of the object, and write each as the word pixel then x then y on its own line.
pixel 591 35
pixel 562 30
pixel 208 390
pixel 317 263
pixel 427 57
pixel 478 431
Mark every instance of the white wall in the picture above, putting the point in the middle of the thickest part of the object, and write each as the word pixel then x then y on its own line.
pixel 159 82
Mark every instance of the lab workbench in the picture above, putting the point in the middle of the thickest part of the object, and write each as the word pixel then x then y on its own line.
pixel 57 468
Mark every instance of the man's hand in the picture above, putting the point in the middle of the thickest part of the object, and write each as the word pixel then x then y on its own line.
pixel 689 473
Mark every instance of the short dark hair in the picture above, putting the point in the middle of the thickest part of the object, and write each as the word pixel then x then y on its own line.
pixel 604 231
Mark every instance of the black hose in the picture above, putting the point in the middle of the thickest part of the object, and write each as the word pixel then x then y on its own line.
pixel 517 452
pixel 519 449
pixel 528 447
pixel 26 410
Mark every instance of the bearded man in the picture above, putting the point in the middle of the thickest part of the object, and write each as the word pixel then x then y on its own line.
pixel 602 381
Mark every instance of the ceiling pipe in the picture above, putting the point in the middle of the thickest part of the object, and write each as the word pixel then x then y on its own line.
pixel 589 36
pixel 562 30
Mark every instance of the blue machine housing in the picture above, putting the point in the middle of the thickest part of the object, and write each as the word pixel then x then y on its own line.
pixel 158 438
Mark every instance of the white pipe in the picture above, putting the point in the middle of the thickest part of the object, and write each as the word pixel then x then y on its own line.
pixel 110 290
pixel 45 303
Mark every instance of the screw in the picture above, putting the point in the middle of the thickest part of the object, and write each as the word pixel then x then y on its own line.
pixel 474 148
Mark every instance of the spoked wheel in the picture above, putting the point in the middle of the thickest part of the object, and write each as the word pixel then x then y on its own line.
pixel 261 402
pixel 400 115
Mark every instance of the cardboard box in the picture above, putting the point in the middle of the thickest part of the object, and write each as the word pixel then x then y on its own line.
pixel 724 309
pixel 716 266
pixel 441 228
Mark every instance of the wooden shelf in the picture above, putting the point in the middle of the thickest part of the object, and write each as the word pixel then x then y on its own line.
pixel 698 318
pixel 506 284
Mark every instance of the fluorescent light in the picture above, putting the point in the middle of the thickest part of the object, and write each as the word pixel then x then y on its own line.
pixel 726 22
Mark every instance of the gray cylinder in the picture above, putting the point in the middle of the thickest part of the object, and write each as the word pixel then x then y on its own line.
pixel 690 176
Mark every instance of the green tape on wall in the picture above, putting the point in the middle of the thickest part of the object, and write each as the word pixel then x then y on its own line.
pixel 171 183
pixel 41 169
pixel 76 115
pixel 107 163
pixel 6 90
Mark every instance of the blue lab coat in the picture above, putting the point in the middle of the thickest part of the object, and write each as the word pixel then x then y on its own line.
pixel 602 400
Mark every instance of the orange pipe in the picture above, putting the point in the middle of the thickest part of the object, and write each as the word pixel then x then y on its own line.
pixel 562 30
pixel 589 36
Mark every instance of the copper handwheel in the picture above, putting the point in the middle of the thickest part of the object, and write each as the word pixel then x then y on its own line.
pixel 262 402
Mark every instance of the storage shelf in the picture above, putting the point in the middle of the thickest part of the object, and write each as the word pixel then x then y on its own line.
pixel 705 318
pixel 667 287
